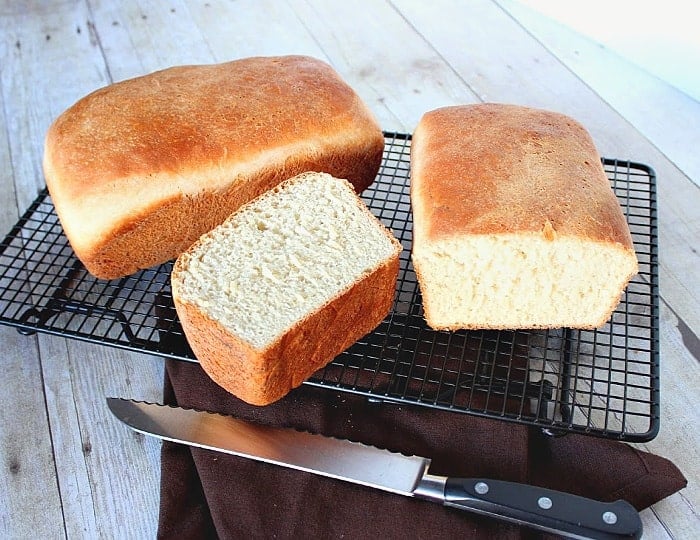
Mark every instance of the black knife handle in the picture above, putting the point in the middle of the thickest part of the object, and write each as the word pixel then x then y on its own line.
pixel 544 509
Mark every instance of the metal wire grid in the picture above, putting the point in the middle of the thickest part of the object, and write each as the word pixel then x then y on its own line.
pixel 603 383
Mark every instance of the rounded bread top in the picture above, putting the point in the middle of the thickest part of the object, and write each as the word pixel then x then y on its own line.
pixel 130 146
pixel 191 117
pixel 498 168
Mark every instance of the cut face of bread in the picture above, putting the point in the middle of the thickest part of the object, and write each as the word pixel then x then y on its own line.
pixel 515 224
pixel 284 285
pixel 510 281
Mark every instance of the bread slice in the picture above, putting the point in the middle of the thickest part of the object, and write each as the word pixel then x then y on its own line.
pixel 140 169
pixel 284 285
pixel 515 222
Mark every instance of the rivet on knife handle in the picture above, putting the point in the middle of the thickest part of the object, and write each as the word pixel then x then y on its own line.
pixel 544 509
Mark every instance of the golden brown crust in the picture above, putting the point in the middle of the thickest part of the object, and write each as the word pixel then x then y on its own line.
pixel 167 228
pixel 496 168
pixel 164 149
pixel 261 377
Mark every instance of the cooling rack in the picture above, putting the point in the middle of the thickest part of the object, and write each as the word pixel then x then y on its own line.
pixel 603 382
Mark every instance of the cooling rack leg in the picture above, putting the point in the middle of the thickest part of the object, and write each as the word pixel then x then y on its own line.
pixel 56 302
pixel 565 377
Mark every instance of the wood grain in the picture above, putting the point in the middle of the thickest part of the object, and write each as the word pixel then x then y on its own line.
pixel 58 488
pixel 670 119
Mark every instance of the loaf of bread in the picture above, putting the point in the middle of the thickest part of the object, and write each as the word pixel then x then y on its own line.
pixel 515 222
pixel 284 285
pixel 140 169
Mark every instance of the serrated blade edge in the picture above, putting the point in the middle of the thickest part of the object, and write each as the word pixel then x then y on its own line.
pixel 336 458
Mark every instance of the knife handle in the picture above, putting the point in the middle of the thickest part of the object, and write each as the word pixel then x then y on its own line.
pixel 544 509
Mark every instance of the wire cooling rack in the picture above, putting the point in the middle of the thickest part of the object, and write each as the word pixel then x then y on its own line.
pixel 603 382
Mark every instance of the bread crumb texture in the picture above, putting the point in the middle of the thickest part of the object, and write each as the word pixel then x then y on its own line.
pixel 282 256
pixel 516 281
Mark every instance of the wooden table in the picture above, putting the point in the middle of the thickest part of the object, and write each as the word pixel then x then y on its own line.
pixel 68 469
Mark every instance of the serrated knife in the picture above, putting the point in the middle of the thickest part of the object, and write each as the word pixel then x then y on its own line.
pixel 543 509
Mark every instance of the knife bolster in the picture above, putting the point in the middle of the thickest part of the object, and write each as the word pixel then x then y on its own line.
pixel 431 487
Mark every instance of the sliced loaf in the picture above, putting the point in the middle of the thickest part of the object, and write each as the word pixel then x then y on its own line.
pixel 515 221
pixel 284 285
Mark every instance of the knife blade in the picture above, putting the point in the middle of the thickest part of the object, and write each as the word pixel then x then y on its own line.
pixel 543 509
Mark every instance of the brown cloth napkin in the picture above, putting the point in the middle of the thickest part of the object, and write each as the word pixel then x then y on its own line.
pixel 206 494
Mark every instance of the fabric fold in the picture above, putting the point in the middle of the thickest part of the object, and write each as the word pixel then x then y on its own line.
pixel 206 494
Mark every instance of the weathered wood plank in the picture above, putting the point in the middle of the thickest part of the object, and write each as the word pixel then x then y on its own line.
pixel 678 438
pixel 378 52
pixel 9 211
pixel 252 28
pixel 55 59
pixel 123 467
pixel 105 471
pixel 141 37
pixel 669 118
pixel 653 528
pixel 50 61
pixel 30 501
pixel 62 405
